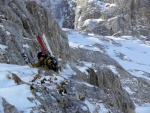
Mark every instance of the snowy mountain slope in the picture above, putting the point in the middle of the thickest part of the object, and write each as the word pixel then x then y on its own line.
pixel 14 94
pixel 131 52
pixel 9 90
pixel 90 85
pixel 133 55
pixel 22 98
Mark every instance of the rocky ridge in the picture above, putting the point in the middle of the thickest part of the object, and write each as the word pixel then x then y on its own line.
pixel 106 17
pixel 114 17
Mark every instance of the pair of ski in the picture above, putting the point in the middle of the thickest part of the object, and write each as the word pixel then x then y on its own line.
pixel 42 42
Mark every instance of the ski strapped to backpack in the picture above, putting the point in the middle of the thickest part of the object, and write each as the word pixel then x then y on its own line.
pixel 41 44
pixel 47 45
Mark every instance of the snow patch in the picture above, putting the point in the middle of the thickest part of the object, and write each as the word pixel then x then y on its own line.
pixel 142 109
pixel 74 45
pixel 101 4
pixel 103 109
pixel 94 39
pixel 17 96
pixel 84 108
pixel 113 69
pixel 90 106
pixel 131 52
pixel 82 69
pixel 109 5
pixel 68 71
pixel 98 107
pixel 8 33
pixel 26 46
pixel 59 79
pixel 88 21
pixel 85 67
pixel 139 73
pixel 92 23
pixel 128 90
pixel 3 47
pixel 2 26
pixel 87 84
pixel 11 91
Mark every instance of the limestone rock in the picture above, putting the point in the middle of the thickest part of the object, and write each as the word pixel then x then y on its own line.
pixel 8 108
pixel 121 17
pixel 20 23
pixel 106 80
pixel 105 17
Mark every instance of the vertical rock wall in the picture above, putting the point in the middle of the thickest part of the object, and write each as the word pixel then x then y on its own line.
pixel 109 82
pixel 118 17
pixel 20 23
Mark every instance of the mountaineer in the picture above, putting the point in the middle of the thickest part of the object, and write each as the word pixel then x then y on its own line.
pixel 48 63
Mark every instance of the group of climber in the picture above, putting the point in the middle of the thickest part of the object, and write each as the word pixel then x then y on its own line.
pixel 47 62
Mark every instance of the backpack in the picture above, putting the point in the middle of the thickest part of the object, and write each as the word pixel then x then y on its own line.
pixel 54 63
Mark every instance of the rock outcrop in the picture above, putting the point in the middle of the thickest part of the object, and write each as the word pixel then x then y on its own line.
pixel 106 80
pixel 102 77
pixel 73 94
pixel 114 17
pixel 62 10
pixel 20 23
pixel 105 17
pixel 8 108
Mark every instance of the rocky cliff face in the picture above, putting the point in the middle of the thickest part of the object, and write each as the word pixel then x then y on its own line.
pixel 62 10
pixel 113 17
pixel 107 80
pixel 106 17
pixel 20 23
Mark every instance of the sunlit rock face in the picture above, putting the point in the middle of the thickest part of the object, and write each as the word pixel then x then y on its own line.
pixel 113 17
pixel 104 17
